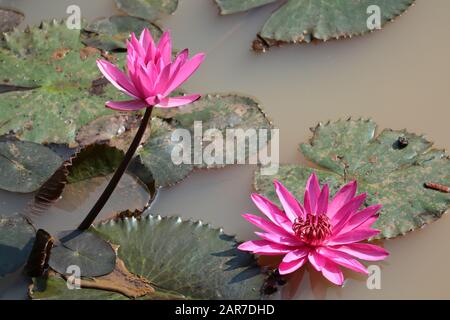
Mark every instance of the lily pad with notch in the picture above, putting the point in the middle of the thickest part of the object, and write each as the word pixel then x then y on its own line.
pixel 391 172
pixel 297 21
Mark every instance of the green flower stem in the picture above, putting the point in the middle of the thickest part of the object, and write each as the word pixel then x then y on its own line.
pixel 118 174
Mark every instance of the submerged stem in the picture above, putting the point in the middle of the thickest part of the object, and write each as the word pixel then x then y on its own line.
pixel 118 174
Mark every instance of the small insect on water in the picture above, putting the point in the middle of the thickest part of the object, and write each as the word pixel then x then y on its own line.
pixel 437 187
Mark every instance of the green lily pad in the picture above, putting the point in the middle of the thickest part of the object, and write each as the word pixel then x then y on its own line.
pixel 217 111
pixel 93 255
pixel 110 33
pixel 62 76
pixel 305 20
pixel 25 166
pixel 197 262
pixel 9 19
pixel 147 9
pixel 391 167
pixel 16 241
pixel 190 258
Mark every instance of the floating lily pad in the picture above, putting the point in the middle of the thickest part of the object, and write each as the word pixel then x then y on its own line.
pixel 147 9
pixel 110 33
pixel 9 19
pixel 52 60
pixel 187 257
pixel 182 259
pixel 25 166
pixel 93 255
pixel 16 241
pixel 391 167
pixel 219 112
pixel 304 20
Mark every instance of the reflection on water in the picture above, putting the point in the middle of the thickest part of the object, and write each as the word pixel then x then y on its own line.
pixel 399 77
pixel 78 198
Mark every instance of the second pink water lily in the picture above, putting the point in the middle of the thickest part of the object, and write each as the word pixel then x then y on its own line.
pixel 151 74
pixel 327 234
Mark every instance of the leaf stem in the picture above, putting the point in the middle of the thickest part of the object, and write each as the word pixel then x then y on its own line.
pixel 118 174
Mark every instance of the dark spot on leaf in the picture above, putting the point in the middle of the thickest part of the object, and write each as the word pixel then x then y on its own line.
pixel 400 143
pixel 98 86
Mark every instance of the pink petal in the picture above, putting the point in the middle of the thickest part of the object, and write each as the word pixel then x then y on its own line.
pixel 130 105
pixel 331 271
pixel 353 236
pixel 322 203
pixel 342 197
pixel 162 80
pixel 289 267
pixel 290 205
pixel 272 212
pixel 147 42
pixel 343 259
pixel 138 50
pixel 360 217
pixel 296 254
pixel 186 70
pixel 316 260
pixel 313 188
pixel 347 210
pixel 265 225
pixel 178 101
pixel 280 239
pixel 364 251
pixel 264 247
pixel 117 78
pixel 165 48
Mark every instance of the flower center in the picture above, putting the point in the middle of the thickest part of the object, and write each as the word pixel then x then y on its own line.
pixel 314 229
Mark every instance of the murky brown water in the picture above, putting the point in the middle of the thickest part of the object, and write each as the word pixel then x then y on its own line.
pixel 400 77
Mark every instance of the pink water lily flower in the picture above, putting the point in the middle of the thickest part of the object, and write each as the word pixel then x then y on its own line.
pixel 152 75
pixel 326 233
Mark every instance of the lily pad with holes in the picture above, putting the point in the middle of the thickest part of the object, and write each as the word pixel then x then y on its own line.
pixel 305 20
pixel 16 241
pixel 60 73
pixel 93 255
pixel 25 166
pixel 181 259
pixel 110 33
pixel 147 9
pixel 392 167
pixel 9 19
pixel 220 112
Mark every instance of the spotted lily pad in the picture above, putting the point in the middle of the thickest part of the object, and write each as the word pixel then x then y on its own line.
pixel 9 19
pixel 392 167
pixel 110 33
pixel 60 73
pixel 217 111
pixel 16 241
pixel 305 20
pixel 147 9
pixel 25 166
pixel 180 258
